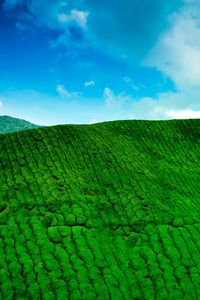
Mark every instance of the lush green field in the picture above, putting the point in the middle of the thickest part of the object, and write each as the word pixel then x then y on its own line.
pixel 105 211
pixel 10 124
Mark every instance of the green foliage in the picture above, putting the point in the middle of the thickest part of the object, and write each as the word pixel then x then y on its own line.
pixel 53 234
pixel 10 124
pixel 108 211
pixel 3 206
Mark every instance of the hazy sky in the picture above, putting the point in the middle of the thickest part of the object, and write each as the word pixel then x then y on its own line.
pixel 85 61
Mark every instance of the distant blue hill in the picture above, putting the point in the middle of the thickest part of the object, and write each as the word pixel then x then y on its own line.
pixel 10 124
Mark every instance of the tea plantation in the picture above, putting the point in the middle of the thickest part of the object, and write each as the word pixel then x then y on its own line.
pixel 109 211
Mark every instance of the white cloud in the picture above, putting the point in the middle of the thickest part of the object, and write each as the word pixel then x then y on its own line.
pixel 129 81
pixel 63 92
pixel 113 100
pixel 171 105
pixel 168 105
pixel 2 101
pixel 183 114
pixel 177 53
pixel 89 83
pixel 79 16
pixel 93 121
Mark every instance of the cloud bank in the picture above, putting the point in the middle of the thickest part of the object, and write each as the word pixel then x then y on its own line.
pixel 177 55
pixel 177 52
pixel 127 29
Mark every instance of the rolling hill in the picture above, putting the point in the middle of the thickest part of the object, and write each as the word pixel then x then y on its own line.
pixel 10 124
pixel 103 211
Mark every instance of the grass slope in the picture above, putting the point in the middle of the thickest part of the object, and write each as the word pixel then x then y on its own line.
pixel 10 124
pixel 105 211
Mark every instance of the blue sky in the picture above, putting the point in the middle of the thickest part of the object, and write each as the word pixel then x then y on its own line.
pixel 86 61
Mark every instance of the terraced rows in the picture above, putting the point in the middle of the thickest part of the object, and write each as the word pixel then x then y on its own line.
pixel 106 211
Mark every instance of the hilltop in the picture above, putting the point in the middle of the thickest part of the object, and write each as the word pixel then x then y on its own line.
pixel 103 211
pixel 10 124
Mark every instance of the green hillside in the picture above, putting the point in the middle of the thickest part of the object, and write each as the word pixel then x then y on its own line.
pixel 10 124
pixel 107 211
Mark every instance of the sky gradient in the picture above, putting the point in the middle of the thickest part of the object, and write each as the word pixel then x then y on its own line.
pixel 86 61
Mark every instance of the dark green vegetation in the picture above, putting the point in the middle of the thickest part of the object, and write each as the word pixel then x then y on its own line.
pixel 106 211
pixel 10 124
